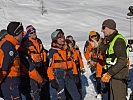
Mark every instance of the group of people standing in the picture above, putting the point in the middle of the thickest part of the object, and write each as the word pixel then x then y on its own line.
pixel 28 71
pixel 23 64
pixel 108 60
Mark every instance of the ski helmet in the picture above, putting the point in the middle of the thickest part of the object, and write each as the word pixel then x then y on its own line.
pixel 15 28
pixel 60 30
pixel 54 35
pixel 92 33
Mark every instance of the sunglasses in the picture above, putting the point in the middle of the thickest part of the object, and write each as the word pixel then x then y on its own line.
pixel 32 32
pixel 62 37
pixel 93 36
pixel 103 27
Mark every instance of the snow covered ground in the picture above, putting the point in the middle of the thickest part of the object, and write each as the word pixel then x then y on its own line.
pixel 75 17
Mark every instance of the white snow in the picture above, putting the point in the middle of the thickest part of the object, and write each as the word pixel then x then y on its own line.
pixel 75 17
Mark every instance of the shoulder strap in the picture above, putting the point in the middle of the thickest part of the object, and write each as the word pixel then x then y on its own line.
pixel 62 58
pixel 30 43
pixel 60 55
pixel 1 42
pixel 2 34
pixel 1 52
pixel 85 46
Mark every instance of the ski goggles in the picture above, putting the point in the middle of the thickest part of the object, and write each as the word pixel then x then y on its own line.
pixel 93 36
pixel 19 29
pixel 33 32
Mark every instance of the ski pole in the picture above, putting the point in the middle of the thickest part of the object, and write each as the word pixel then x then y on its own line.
pixel 61 91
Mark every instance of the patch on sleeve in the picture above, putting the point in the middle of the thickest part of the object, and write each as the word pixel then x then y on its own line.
pixel 11 53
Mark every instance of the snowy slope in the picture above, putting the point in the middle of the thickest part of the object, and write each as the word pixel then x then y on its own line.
pixel 75 17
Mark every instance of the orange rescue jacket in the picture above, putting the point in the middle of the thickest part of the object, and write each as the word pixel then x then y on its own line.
pixel 59 58
pixel 14 66
pixel 35 50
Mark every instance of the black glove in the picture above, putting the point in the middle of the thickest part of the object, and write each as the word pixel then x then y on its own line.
pixel 82 71
pixel 98 79
pixel 104 87
pixel 43 83
pixel 98 85
pixel 76 78
pixel 54 84
pixel 88 62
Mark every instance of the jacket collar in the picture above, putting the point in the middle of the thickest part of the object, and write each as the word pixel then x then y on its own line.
pixel 11 39
pixel 111 37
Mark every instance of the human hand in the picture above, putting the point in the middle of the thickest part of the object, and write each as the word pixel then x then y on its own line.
pixel 43 83
pixel 88 62
pixel 54 84
pixel 82 70
pixel 106 77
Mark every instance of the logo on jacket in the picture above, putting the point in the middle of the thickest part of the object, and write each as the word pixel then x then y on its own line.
pixel 11 53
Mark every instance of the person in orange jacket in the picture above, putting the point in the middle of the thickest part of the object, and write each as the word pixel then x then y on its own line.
pixel 78 60
pixel 79 57
pixel 99 64
pixel 62 69
pixel 90 50
pixel 94 59
pixel 10 62
pixel 35 55
pixel 3 33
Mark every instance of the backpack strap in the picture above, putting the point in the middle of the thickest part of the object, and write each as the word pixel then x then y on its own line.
pixel 1 52
pixel 62 58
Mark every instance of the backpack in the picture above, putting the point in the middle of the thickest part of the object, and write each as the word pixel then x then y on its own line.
pixel 3 33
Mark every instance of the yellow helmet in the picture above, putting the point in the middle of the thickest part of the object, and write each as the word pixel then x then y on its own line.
pixel 92 33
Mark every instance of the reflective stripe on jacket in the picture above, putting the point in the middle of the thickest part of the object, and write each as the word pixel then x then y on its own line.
pixel 110 55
